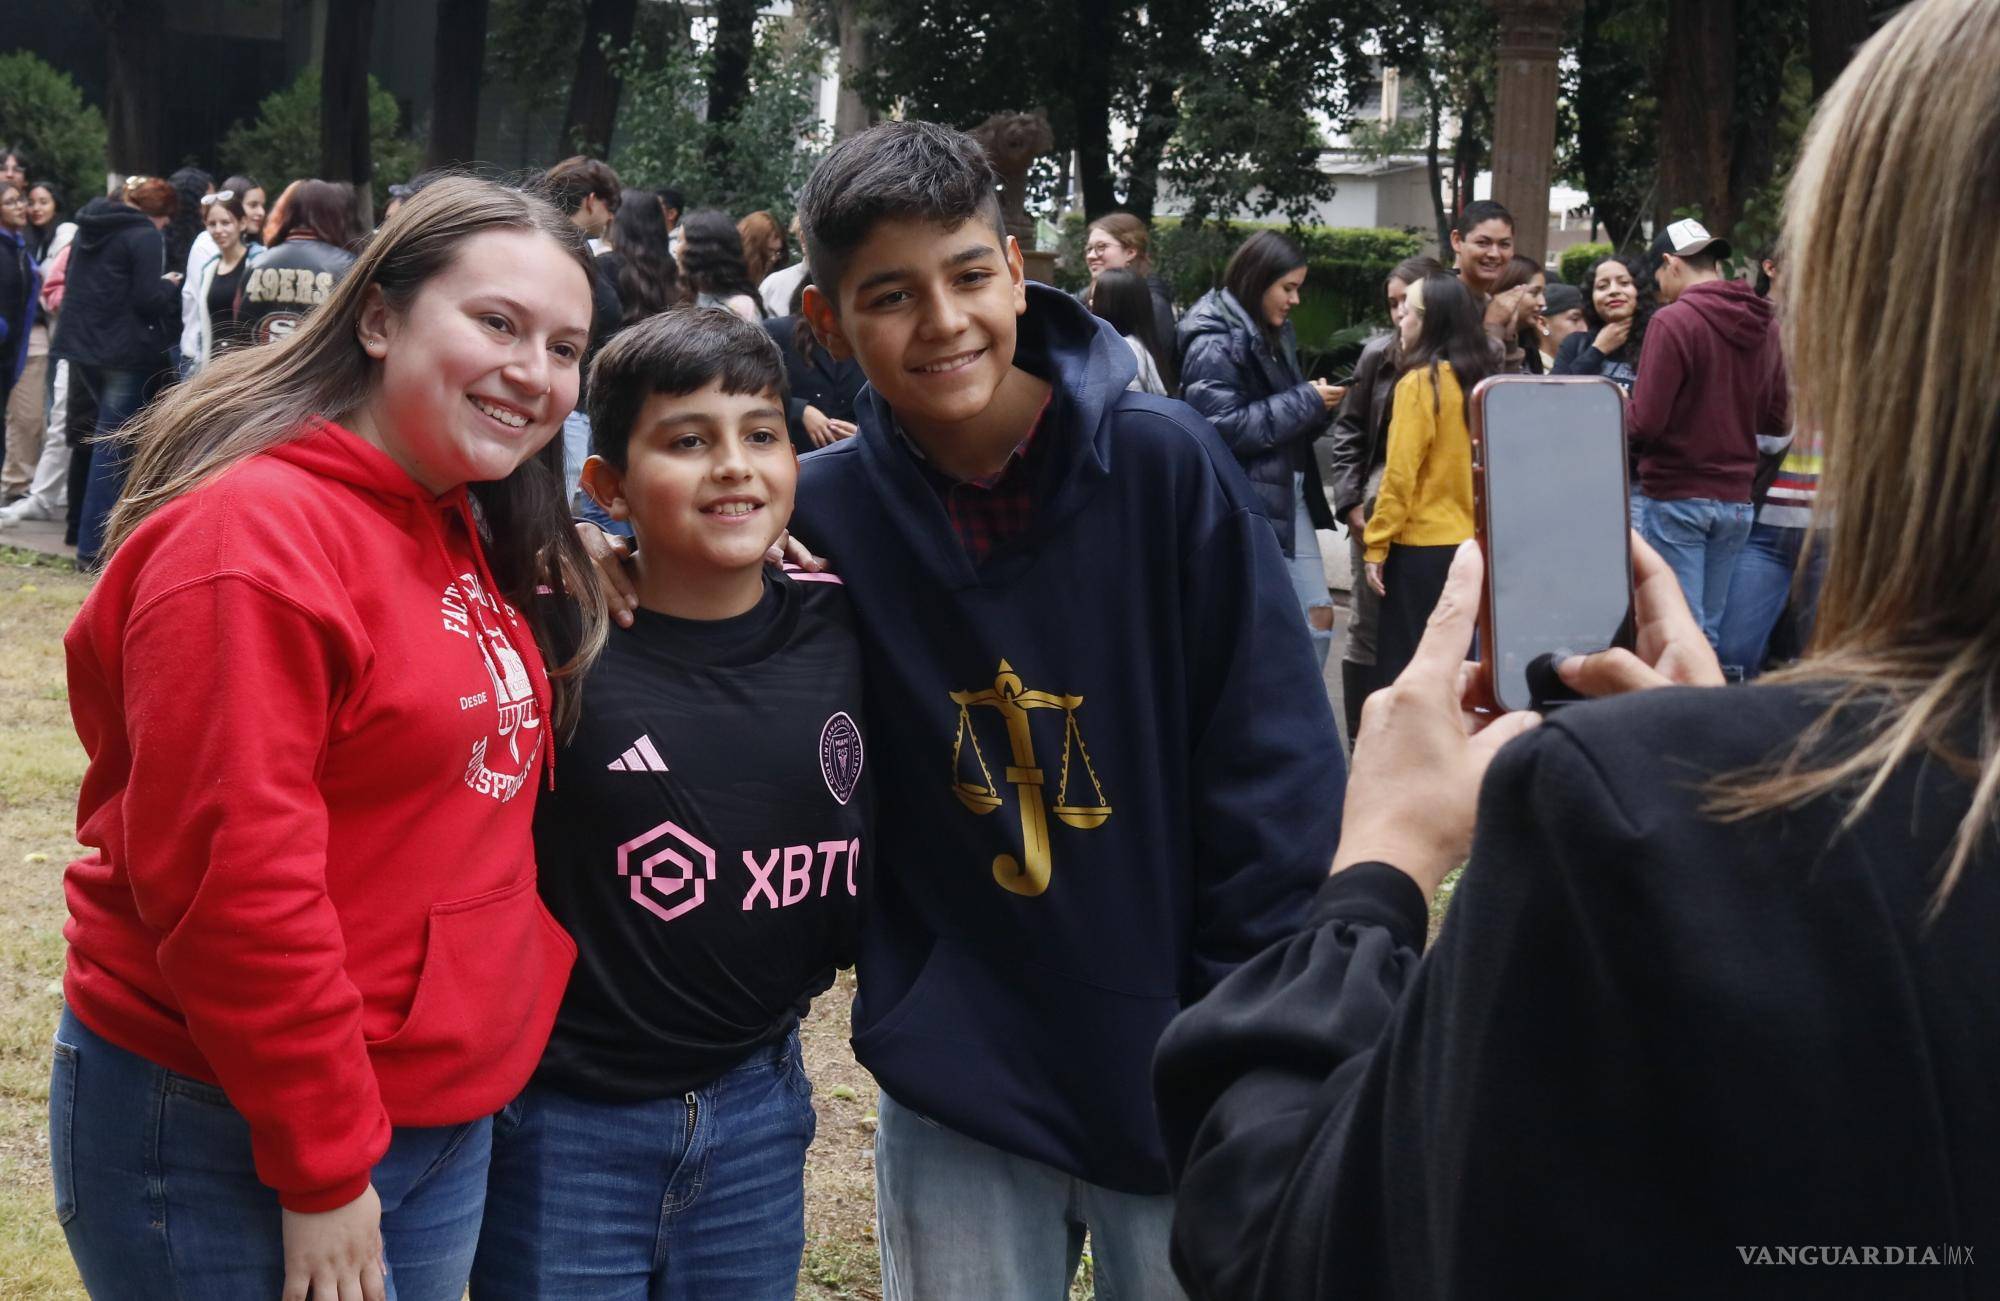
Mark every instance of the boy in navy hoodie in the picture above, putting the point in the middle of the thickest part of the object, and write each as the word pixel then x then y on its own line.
pixel 1107 765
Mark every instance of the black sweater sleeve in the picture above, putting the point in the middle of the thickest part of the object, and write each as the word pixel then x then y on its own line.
pixel 1344 1120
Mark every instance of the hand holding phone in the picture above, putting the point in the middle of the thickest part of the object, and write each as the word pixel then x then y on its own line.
pixel 1329 394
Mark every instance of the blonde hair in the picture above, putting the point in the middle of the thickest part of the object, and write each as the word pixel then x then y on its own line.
pixel 1887 220
pixel 1131 234
pixel 252 399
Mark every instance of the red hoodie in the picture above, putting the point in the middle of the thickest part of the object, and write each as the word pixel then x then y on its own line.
pixel 1711 378
pixel 313 733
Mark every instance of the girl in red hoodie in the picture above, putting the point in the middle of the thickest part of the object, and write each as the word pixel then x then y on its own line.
pixel 307 960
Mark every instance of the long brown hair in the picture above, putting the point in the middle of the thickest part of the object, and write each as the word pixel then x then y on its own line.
pixel 1887 219
pixel 1132 235
pixel 253 399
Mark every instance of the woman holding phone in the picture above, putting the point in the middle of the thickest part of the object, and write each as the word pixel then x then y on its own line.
pixel 1719 979
pixel 1424 507
pixel 307 960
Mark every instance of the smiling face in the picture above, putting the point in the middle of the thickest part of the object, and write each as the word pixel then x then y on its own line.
pixel 1483 253
pixel 708 481
pixel 253 207
pixel 1613 293
pixel 478 374
pixel 1102 252
pixel 41 207
pixel 223 228
pixel 1283 295
pixel 929 312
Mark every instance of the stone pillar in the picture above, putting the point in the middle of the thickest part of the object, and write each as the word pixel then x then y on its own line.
pixel 1524 118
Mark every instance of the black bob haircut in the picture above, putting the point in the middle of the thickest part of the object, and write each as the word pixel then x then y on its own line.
pixel 675 352
pixel 1257 264
pixel 1478 213
pixel 898 171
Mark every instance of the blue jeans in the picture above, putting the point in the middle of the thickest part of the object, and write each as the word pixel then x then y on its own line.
pixel 119 395
pixel 1308 573
pixel 1760 590
pixel 158 1197
pixel 956 1218
pixel 1700 540
pixel 695 1196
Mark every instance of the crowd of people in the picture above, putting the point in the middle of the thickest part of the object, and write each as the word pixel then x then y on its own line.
pixel 524 666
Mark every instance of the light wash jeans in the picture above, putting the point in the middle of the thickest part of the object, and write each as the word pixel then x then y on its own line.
pixel 157 1194
pixel 1700 539
pixel 1308 571
pixel 956 1218
pixel 691 1197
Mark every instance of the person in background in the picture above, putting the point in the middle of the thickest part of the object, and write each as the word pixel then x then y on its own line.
pixel 279 211
pixel 214 292
pixel 20 294
pixel 239 190
pixel 13 166
pixel 1122 299
pixel 640 261
pixel 1240 368
pixel 1424 508
pixel 397 194
pixel 118 304
pixel 1705 938
pixel 1119 241
pixel 1562 316
pixel 823 388
pixel 312 686
pixel 588 191
pixel 764 249
pixel 672 205
pixel 711 258
pixel 1360 447
pixel 47 232
pixel 314 250
pixel 1616 311
pixel 1523 349
pixel 47 497
pixel 1482 248
pixel 1711 382
pixel 780 288
pixel 184 232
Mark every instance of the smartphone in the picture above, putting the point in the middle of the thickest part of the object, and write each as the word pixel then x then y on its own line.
pixel 1550 512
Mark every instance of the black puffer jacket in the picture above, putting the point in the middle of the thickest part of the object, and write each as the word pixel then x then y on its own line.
pixel 284 283
pixel 1258 401
pixel 117 304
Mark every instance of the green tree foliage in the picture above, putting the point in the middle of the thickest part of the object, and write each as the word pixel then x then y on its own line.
pixel 1579 260
pixel 282 144
pixel 759 158
pixel 42 111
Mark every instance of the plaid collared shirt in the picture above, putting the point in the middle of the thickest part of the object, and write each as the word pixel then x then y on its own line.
pixel 991 511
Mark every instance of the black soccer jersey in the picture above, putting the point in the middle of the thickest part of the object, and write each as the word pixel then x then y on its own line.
pixel 705 840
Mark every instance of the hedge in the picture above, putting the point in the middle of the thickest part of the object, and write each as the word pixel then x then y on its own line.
pixel 1346 268
pixel 44 114
pixel 1577 263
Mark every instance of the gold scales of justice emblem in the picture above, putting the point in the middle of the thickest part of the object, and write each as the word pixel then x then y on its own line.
pixel 1030 876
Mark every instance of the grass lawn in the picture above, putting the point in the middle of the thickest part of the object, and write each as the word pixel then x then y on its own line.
pixel 41 764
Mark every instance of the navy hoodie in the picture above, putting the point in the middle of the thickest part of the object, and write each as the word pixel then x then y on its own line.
pixel 1108 769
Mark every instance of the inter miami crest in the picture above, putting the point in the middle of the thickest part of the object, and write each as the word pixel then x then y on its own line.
pixel 840 756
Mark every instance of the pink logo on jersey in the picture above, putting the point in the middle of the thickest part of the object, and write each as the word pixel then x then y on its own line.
pixel 689 867
pixel 840 756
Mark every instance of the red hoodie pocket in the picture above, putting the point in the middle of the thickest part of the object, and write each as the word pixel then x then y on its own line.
pixel 494 970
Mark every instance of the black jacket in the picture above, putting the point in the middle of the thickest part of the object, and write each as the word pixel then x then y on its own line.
pixel 117 304
pixel 284 283
pixel 1646 1047
pixel 1260 404
pixel 816 380
pixel 1361 424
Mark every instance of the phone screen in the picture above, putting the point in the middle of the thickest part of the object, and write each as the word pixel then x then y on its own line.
pixel 1558 555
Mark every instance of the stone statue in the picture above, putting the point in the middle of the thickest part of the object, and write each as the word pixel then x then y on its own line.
pixel 1013 141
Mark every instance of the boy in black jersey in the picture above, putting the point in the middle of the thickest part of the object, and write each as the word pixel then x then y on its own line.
pixel 704 846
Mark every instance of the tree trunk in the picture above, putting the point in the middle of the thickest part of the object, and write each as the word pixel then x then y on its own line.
pixel 1600 88
pixel 1093 105
pixel 343 102
pixel 458 57
pixel 729 80
pixel 1434 106
pixel 1833 29
pixel 1159 116
pixel 594 90
pixel 135 84
pixel 850 112
pixel 1697 104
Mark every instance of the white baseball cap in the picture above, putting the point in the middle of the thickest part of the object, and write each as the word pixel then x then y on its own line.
pixel 1687 237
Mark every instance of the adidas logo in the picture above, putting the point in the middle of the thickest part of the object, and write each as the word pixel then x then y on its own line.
pixel 640 756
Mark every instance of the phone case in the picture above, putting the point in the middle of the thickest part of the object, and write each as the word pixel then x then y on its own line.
pixel 1481 695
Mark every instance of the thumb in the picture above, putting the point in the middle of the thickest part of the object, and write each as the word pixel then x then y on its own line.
pixel 1502 730
pixel 1608 673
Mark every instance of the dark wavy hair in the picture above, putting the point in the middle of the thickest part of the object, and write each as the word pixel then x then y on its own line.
pixel 1125 300
pixel 1454 331
pixel 41 238
pixel 322 209
pixel 1643 284
pixel 712 256
pixel 648 280
pixel 189 183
